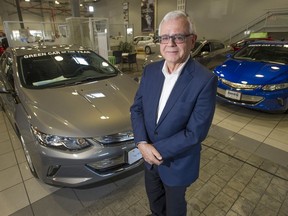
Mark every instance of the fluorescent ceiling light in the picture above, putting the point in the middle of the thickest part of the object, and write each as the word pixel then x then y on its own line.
pixel 91 9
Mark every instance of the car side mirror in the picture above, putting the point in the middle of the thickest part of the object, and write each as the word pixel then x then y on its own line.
pixel 3 89
pixel 229 55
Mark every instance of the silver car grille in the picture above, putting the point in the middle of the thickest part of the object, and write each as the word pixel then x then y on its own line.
pixel 127 142
pixel 245 99
pixel 238 85
pixel 121 138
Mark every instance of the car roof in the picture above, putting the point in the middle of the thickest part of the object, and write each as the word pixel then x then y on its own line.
pixel 270 42
pixel 209 40
pixel 26 50
pixel 142 36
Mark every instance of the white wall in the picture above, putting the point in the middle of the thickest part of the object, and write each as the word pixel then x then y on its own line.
pixel 213 18
pixel 218 18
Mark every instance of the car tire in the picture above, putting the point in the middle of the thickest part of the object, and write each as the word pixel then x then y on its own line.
pixel 28 158
pixel 147 50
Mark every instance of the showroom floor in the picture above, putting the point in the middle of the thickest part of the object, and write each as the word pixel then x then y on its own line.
pixel 244 171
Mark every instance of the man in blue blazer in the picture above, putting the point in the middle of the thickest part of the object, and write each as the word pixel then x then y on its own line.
pixel 171 116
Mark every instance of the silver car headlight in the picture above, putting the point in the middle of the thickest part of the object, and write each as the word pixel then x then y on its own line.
pixel 275 87
pixel 59 142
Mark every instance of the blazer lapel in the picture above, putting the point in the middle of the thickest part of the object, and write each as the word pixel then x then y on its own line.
pixel 156 90
pixel 182 82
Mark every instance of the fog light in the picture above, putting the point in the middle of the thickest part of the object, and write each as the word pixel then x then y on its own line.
pixel 52 170
pixel 108 162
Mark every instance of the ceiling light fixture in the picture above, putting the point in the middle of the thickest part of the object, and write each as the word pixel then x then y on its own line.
pixel 91 9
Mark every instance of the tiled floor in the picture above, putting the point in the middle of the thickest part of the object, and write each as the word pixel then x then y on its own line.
pixel 244 171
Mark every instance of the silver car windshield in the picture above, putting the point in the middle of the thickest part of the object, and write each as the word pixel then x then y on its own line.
pixel 43 70
pixel 264 53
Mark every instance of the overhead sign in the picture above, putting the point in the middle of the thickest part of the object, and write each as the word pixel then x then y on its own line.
pixel 259 35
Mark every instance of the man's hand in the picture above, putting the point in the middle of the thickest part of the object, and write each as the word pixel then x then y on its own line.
pixel 150 154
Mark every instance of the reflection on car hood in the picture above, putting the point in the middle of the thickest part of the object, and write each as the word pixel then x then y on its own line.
pixel 87 110
pixel 252 72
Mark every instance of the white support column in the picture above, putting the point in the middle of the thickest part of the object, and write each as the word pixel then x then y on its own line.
pixel 75 8
pixel 181 5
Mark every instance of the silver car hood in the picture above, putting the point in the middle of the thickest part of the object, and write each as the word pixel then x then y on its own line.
pixel 86 110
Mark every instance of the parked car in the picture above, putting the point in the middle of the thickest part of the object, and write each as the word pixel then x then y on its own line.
pixel 1 49
pixel 210 53
pixel 3 44
pixel 152 47
pixel 144 43
pixel 256 77
pixel 70 109
pixel 241 43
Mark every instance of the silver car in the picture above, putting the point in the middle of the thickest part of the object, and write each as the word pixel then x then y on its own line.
pixel 144 43
pixel 70 109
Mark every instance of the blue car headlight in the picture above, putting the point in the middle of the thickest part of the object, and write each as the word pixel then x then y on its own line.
pixel 59 142
pixel 275 87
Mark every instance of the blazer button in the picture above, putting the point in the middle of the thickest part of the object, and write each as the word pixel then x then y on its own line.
pixel 155 133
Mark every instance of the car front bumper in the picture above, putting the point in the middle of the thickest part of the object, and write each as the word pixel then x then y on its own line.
pixel 76 169
pixel 265 101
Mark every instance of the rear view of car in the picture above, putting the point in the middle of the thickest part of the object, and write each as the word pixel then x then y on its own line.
pixel 256 77
pixel 210 53
pixel 70 109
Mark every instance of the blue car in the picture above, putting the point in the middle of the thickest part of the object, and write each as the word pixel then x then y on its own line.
pixel 256 77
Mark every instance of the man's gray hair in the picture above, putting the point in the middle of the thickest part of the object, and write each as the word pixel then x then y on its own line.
pixel 178 14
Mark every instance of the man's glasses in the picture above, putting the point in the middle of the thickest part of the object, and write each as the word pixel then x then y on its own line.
pixel 178 38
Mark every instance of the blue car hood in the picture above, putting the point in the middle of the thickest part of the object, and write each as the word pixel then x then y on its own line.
pixel 252 72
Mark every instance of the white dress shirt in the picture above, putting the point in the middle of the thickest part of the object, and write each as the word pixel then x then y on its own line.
pixel 170 80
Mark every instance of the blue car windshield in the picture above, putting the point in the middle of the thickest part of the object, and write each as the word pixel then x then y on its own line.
pixel 273 53
pixel 44 70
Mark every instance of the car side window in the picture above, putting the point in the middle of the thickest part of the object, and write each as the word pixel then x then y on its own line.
pixel 217 46
pixel 206 48
pixel 3 61
pixel 146 39
pixel 137 39
pixel 7 72
pixel 10 78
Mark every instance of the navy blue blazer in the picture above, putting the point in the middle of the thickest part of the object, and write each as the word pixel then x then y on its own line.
pixel 184 122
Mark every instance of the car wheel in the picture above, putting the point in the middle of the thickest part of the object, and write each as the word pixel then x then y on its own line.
pixel 147 50
pixel 28 158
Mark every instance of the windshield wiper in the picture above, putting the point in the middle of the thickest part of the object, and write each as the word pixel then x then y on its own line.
pixel 81 81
